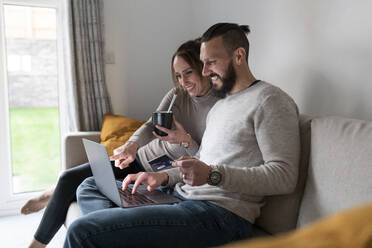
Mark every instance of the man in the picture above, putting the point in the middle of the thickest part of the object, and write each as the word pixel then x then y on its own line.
pixel 250 149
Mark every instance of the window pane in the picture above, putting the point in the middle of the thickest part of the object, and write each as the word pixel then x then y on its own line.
pixel 32 78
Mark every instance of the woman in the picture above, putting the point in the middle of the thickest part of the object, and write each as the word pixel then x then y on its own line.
pixel 195 97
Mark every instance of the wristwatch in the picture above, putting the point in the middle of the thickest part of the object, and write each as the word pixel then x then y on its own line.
pixel 185 143
pixel 215 176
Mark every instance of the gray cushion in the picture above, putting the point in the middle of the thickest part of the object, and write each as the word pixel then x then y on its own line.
pixel 74 148
pixel 340 168
pixel 73 213
pixel 280 212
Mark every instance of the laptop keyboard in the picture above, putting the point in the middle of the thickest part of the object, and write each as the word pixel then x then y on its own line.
pixel 136 199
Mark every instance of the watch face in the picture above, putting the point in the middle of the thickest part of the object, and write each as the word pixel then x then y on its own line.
pixel 215 178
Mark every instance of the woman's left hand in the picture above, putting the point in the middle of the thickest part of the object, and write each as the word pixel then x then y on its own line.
pixel 175 136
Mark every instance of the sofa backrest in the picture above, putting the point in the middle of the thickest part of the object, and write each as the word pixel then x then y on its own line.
pixel 280 211
pixel 340 167
pixel 74 148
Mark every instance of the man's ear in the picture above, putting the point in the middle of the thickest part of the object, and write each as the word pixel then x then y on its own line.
pixel 239 55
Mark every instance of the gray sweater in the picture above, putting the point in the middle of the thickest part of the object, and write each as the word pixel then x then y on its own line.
pixel 190 111
pixel 253 138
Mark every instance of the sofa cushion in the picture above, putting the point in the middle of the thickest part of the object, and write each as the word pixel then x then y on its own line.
pixel 340 167
pixel 74 148
pixel 350 228
pixel 280 211
pixel 116 130
pixel 72 214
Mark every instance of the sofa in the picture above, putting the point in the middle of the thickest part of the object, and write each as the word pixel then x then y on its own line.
pixel 335 173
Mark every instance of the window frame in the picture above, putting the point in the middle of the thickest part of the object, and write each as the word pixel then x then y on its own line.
pixel 10 203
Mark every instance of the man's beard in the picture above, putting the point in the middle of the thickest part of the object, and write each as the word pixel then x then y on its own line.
pixel 228 81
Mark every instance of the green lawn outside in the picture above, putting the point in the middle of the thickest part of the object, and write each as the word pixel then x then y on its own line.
pixel 35 148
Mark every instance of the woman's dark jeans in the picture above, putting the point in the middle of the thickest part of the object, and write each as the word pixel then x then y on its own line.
pixel 65 193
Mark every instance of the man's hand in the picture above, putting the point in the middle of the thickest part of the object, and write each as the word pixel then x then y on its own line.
pixel 125 154
pixel 151 179
pixel 193 171
pixel 175 136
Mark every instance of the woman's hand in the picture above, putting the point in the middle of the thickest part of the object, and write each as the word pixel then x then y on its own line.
pixel 176 136
pixel 125 154
pixel 151 179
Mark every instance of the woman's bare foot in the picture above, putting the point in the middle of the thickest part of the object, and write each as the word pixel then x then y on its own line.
pixel 37 203
pixel 36 244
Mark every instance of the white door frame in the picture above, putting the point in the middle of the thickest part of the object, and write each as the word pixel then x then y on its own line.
pixel 9 202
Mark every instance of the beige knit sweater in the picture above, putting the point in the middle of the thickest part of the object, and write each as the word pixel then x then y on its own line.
pixel 253 138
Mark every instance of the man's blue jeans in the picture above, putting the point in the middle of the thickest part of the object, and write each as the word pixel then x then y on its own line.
pixel 186 224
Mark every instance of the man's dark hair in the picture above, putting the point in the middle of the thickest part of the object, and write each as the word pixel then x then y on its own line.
pixel 233 36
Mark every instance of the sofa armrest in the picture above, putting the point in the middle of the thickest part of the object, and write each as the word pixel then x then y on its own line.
pixel 74 148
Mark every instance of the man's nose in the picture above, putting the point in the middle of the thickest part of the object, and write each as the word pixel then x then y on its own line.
pixel 205 71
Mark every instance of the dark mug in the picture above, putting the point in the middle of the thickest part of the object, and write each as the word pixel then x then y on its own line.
pixel 163 119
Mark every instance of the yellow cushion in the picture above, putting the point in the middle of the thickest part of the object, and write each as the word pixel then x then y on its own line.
pixel 351 228
pixel 116 130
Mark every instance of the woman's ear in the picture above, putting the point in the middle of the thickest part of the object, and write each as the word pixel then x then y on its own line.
pixel 239 55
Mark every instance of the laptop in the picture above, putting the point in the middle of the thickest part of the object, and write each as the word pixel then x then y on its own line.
pixel 105 180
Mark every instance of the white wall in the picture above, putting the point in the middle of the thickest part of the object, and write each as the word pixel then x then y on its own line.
pixel 318 51
pixel 142 35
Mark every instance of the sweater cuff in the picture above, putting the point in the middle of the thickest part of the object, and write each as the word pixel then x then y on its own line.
pixel 173 177
pixel 136 140
pixel 192 150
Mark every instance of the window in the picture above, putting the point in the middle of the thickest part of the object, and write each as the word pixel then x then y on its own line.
pixel 31 62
